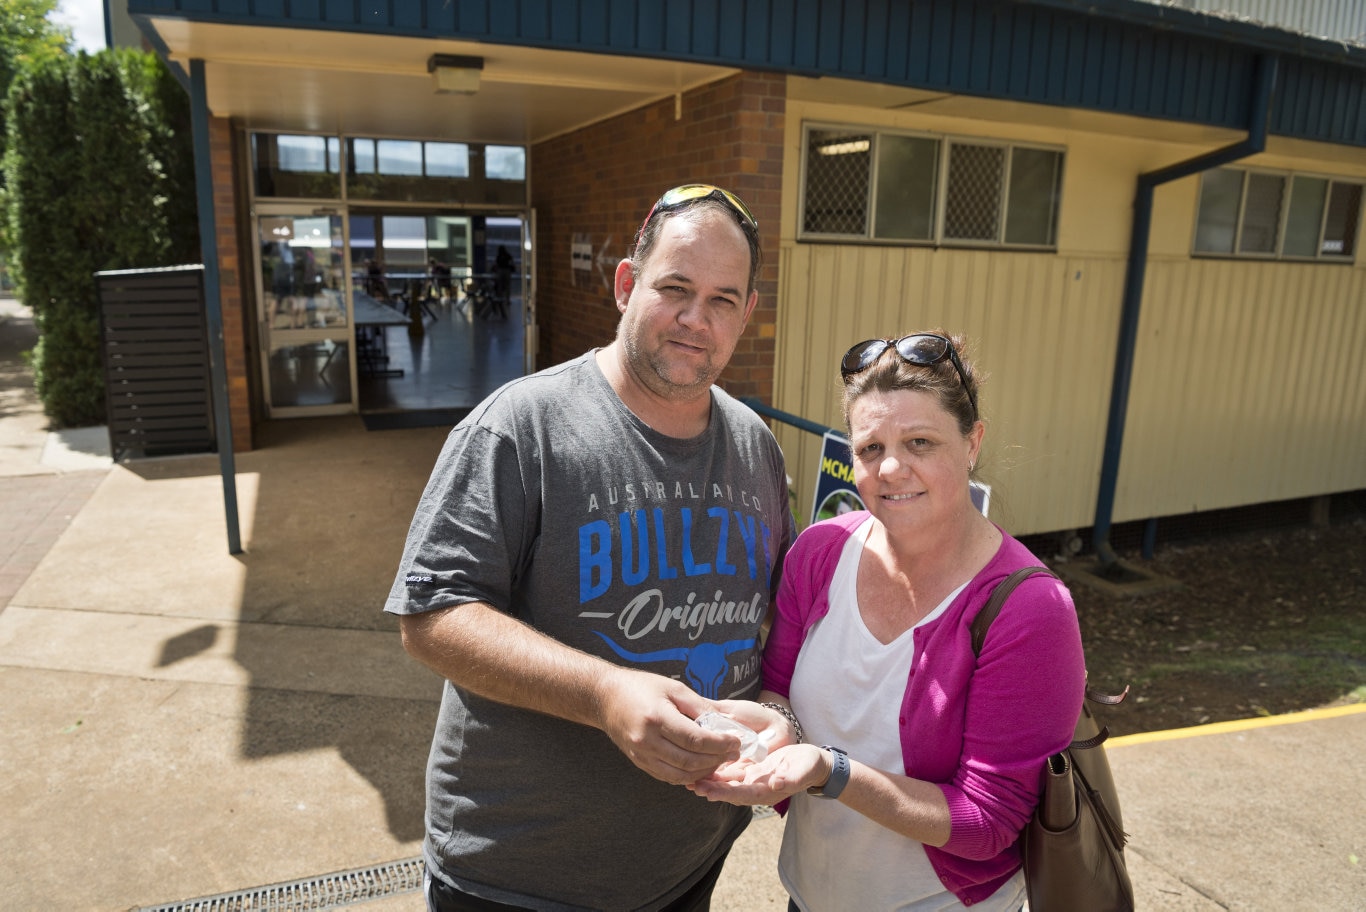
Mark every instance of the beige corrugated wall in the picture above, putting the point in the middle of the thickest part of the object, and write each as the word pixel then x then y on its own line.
pixel 1042 329
pixel 1248 384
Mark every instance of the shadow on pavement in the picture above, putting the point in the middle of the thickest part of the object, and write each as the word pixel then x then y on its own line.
pixel 332 507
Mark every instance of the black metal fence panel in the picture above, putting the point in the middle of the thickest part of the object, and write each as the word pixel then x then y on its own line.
pixel 156 357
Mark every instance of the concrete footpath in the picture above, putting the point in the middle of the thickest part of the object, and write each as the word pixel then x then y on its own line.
pixel 179 722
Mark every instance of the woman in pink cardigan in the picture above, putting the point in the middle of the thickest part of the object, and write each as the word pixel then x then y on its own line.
pixel 911 765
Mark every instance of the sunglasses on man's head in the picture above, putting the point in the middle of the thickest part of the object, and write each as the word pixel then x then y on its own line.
pixel 687 193
pixel 921 349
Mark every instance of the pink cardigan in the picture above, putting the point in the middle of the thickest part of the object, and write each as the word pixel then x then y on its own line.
pixel 979 728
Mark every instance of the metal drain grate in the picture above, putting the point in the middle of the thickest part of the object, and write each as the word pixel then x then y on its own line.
pixel 328 891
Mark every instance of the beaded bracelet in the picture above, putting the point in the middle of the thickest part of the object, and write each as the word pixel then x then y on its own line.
pixel 787 714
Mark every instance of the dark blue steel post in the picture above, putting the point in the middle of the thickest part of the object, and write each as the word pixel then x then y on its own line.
pixel 768 411
pixel 1149 538
pixel 1134 275
pixel 208 247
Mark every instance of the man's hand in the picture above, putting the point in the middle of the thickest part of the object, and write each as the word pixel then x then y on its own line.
pixel 650 718
pixel 761 719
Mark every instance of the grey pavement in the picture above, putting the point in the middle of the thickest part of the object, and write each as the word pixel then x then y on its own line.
pixel 180 722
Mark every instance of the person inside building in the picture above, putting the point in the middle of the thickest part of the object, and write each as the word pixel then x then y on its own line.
pixel 503 266
pixel 589 568
pixel 280 257
pixel 375 284
pixel 440 275
pixel 308 287
pixel 902 749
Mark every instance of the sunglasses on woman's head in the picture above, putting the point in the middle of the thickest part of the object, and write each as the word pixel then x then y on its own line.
pixel 921 349
pixel 687 193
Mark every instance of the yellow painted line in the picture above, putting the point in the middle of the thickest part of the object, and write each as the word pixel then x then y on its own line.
pixel 1219 728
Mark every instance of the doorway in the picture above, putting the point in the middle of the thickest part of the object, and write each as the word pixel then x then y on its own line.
pixel 304 314
pixel 463 331
pixel 408 317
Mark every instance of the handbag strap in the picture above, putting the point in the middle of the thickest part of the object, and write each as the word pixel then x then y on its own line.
pixel 998 599
pixel 1098 696
pixel 988 614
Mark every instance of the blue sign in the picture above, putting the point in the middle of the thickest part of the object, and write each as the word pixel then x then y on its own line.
pixel 835 490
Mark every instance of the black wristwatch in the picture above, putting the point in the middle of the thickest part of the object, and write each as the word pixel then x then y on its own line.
pixel 839 774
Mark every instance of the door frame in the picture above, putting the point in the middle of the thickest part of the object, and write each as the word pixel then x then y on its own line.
pixel 530 332
pixel 264 331
pixel 344 211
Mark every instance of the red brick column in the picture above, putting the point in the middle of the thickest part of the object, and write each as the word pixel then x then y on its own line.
pixel 600 181
pixel 230 279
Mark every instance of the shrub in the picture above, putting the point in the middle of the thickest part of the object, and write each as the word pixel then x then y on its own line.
pixel 99 175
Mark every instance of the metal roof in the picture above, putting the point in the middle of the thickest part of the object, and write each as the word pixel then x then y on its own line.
pixel 1114 56
pixel 1331 20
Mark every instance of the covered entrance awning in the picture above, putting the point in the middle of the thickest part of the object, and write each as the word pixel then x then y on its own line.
pixel 296 79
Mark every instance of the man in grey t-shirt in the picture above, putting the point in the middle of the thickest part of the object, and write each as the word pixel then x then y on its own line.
pixel 588 569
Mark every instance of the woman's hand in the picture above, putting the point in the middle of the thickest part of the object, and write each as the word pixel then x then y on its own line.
pixel 782 774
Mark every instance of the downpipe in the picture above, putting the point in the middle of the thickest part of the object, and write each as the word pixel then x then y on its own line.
pixel 1135 273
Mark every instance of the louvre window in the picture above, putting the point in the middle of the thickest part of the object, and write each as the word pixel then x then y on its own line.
pixel 443 159
pixel 1261 213
pixel 838 175
pixel 362 168
pixel 1342 221
pixel 1275 214
pixel 972 204
pixel 505 163
pixel 1307 198
pixel 307 153
pixel 1035 183
pixel 1221 193
pixel 904 202
pixel 296 165
pixel 868 185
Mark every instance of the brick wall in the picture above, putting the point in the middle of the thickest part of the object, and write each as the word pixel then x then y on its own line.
pixel 600 182
pixel 230 278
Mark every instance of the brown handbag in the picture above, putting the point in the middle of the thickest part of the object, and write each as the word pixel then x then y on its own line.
pixel 1073 846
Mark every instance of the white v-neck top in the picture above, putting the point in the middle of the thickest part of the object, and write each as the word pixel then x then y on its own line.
pixel 846 689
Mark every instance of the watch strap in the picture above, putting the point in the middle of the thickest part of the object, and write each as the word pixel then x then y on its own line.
pixel 839 774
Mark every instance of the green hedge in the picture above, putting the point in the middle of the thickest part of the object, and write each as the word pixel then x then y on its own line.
pixel 99 170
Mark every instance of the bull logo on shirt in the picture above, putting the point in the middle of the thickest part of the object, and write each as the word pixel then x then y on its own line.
pixel 705 664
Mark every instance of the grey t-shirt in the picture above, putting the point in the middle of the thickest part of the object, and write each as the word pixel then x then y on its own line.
pixel 553 503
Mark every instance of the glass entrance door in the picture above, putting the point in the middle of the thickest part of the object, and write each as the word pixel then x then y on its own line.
pixel 531 332
pixel 306 330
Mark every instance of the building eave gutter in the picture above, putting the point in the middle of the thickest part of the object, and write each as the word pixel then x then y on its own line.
pixel 1135 273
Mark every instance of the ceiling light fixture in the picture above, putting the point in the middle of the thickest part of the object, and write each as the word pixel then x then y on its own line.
pixel 844 148
pixel 453 73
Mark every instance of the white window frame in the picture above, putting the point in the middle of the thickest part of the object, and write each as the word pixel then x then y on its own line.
pixel 945 142
pixel 1287 191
